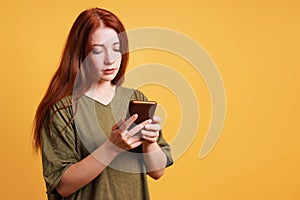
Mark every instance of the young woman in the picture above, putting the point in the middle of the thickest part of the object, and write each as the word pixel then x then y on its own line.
pixel 89 149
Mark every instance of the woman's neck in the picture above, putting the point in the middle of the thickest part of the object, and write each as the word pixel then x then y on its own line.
pixel 105 86
pixel 102 92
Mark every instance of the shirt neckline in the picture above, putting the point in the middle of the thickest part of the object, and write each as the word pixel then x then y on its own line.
pixel 102 104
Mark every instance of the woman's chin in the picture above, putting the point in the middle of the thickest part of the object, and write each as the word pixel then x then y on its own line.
pixel 107 78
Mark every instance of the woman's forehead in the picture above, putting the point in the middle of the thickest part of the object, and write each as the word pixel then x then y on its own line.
pixel 104 36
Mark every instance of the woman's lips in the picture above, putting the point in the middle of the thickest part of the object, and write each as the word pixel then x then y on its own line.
pixel 109 71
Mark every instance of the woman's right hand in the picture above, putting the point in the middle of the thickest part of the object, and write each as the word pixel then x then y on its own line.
pixel 126 139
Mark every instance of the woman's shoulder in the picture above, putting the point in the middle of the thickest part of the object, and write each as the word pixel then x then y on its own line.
pixel 134 94
pixel 61 112
pixel 64 102
pixel 63 106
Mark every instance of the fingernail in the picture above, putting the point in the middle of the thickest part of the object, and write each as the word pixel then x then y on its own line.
pixel 147 126
pixel 149 121
pixel 135 115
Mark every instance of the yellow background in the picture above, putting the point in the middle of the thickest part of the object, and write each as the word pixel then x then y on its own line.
pixel 255 45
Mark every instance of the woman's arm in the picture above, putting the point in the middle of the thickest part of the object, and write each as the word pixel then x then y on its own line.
pixel 155 159
pixel 81 173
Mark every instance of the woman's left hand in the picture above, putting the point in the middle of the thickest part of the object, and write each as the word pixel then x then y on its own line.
pixel 151 131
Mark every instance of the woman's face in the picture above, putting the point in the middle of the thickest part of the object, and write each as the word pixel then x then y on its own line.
pixel 105 55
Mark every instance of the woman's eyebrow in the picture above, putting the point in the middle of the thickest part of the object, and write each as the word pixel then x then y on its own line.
pixel 102 45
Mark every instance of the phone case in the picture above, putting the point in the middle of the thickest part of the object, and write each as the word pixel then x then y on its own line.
pixel 144 109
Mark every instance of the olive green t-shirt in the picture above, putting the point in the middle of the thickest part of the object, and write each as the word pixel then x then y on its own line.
pixel 68 137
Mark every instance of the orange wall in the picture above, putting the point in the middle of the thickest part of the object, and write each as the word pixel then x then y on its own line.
pixel 255 46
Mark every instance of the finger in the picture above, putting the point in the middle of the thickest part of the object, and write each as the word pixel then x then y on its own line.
pixel 150 134
pixel 150 139
pixel 136 144
pixel 128 122
pixel 118 124
pixel 133 139
pixel 153 127
pixel 139 127
pixel 117 132
pixel 123 133
pixel 146 122
pixel 156 119
pixel 131 142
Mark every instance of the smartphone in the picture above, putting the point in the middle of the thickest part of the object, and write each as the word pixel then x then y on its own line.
pixel 144 109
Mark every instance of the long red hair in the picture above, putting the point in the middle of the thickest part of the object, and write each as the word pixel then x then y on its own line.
pixel 77 47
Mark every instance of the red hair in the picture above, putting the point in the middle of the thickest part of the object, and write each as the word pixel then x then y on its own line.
pixel 77 47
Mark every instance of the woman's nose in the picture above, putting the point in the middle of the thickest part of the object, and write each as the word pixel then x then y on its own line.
pixel 110 57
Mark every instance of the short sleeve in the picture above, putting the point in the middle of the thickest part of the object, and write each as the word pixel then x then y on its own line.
pixel 165 147
pixel 58 145
pixel 138 95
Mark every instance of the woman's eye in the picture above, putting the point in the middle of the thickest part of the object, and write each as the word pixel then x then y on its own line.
pixel 97 51
pixel 116 47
